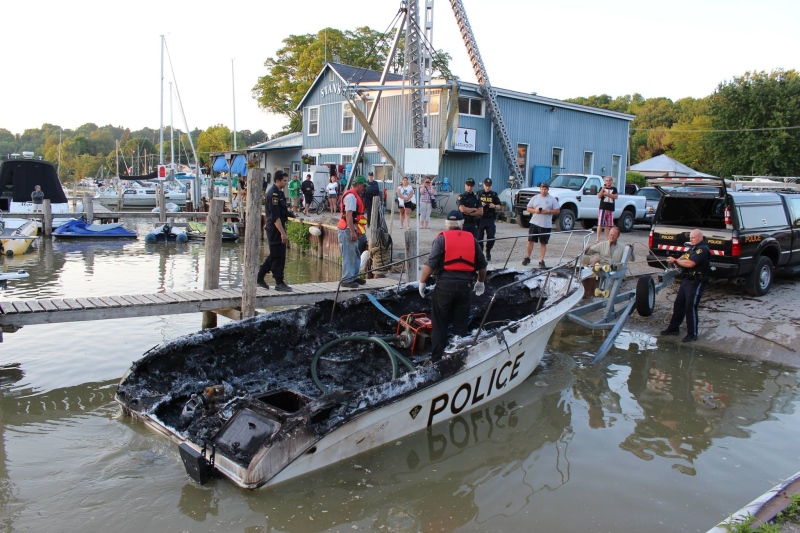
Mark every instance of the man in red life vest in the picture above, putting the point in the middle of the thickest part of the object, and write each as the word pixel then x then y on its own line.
pixel 352 225
pixel 455 257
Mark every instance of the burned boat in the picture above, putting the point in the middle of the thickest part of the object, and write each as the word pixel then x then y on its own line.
pixel 263 400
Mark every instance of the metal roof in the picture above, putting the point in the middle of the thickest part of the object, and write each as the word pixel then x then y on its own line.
pixel 292 140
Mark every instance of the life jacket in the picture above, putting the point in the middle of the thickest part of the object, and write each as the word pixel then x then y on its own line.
pixel 459 251
pixel 359 218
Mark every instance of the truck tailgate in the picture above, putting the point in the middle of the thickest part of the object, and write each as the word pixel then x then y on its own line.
pixel 670 240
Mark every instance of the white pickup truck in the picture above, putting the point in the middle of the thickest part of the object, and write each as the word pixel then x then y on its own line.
pixel 577 196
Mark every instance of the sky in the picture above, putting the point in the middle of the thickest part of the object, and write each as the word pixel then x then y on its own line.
pixel 71 63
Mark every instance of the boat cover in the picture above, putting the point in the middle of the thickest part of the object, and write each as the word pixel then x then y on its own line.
pixel 220 165
pixel 79 228
pixel 239 166
pixel 18 178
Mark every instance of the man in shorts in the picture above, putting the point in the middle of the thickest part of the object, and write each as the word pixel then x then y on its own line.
pixel 543 207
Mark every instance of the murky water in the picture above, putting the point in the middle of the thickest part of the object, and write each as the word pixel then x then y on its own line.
pixel 649 440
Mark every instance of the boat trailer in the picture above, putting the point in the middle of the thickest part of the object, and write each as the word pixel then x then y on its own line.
pixel 617 306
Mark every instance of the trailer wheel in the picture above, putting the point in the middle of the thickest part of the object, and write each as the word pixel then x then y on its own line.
pixel 645 296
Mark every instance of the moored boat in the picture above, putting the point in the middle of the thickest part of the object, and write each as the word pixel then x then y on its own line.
pixel 270 398
pixel 166 233
pixel 19 175
pixel 197 231
pixel 19 240
pixel 80 229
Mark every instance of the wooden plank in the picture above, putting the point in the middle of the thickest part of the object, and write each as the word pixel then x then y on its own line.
pixel 179 297
pixel 219 294
pixel 85 303
pixel 159 296
pixel 145 299
pixel 208 295
pixel 72 303
pixel 129 300
pixel 21 307
pixel 34 306
pixel 189 296
pixel 61 305
pixel 7 307
pixel 110 302
pixel 168 298
pixel 97 302
pixel 48 305
pixel 117 300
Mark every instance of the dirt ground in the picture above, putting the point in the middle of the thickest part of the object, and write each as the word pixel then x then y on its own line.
pixel 731 322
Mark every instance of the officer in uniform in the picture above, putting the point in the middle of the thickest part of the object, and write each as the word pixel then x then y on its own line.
pixel 471 207
pixel 277 215
pixel 694 265
pixel 487 228
pixel 455 257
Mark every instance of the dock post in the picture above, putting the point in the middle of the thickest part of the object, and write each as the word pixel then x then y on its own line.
pixel 47 218
pixel 252 240
pixel 213 252
pixel 162 204
pixel 411 251
pixel 88 207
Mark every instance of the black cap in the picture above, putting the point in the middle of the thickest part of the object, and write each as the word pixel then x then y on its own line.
pixel 370 174
pixel 487 181
pixel 455 215
pixel 470 181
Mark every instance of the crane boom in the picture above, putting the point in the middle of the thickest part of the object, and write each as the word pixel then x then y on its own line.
pixel 487 91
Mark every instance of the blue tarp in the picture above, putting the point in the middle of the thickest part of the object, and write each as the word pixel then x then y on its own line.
pixel 239 166
pixel 220 165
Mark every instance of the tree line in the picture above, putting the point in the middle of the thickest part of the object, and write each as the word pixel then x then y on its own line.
pixel 91 150
pixel 748 126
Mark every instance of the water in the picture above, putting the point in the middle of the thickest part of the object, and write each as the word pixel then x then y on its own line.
pixel 651 439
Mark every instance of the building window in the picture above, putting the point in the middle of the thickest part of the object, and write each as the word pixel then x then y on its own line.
pixel 432 107
pixel 556 164
pixel 296 167
pixel 348 120
pixel 313 120
pixel 522 161
pixel 470 106
pixel 615 167
pixel 588 162
pixel 347 159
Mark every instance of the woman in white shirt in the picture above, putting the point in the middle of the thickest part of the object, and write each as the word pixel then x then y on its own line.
pixel 426 193
pixel 405 195
pixel 332 190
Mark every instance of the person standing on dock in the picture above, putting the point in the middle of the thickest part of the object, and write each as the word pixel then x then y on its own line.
pixel 542 208
pixel 471 207
pixel 352 225
pixel 307 187
pixel 277 215
pixel 294 193
pixel 487 225
pixel 370 194
pixel 37 197
pixel 455 258
pixel 694 265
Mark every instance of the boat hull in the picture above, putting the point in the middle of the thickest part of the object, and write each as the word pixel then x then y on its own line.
pixel 20 240
pixel 465 379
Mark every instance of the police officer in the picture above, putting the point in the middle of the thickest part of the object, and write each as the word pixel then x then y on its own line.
pixel 455 257
pixel 694 265
pixel 486 225
pixel 471 207
pixel 277 215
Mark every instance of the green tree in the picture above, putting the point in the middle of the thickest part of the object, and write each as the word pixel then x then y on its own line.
pixel 752 113
pixel 297 64
pixel 8 142
pixel 215 139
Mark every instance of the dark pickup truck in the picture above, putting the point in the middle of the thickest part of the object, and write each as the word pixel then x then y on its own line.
pixel 751 229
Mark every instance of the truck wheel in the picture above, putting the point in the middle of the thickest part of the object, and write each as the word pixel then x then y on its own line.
pixel 588 223
pixel 523 222
pixel 645 296
pixel 566 220
pixel 759 282
pixel 625 222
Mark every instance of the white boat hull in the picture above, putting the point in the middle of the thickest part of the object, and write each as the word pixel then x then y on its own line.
pixel 496 364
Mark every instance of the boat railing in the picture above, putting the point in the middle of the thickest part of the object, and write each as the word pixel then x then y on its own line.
pixel 586 234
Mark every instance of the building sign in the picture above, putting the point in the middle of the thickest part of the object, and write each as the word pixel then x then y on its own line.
pixel 331 88
pixel 464 139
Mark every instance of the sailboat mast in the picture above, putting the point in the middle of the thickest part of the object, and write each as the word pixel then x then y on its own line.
pixel 171 133
pixel 233 90
pixel 161 97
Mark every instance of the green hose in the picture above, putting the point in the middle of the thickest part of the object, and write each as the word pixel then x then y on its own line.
pixel 394 356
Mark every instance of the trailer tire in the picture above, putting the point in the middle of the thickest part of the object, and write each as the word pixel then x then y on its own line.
pixel 645 296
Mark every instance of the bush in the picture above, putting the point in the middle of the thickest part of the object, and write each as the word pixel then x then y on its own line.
pixel 298 234
pixel 635 178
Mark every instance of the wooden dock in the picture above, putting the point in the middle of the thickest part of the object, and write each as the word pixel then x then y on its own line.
pixel 224 301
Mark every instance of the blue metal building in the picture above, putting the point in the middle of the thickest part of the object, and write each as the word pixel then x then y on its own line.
pixel 549 135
